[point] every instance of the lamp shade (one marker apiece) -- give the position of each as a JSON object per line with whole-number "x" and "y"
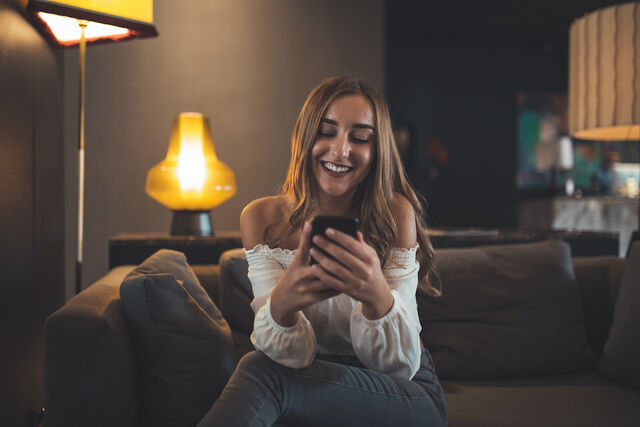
{"x": 191, "y": 177}
{"x": 604, "y": 74}
{"x": 107, "y": 20}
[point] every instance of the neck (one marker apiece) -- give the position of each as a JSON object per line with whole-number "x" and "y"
{"x": 334, "y": 206}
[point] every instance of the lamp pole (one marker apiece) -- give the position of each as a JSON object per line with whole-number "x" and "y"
{"x": 83, "y": 47}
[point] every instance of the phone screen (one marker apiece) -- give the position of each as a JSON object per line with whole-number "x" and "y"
{"x": 320, "y": 223}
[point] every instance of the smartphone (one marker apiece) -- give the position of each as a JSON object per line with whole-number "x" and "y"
{"x": 320, "y": 223}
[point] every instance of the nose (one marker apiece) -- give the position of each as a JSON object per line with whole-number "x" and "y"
{"x": 341, "y": 147}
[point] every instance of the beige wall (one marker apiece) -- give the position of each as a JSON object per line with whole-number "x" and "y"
{"x": 246, "y": 64}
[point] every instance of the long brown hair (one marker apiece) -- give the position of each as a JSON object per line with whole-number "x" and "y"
{"x": 374, "y": 196}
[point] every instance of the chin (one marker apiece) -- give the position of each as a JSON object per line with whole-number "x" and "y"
{"x": 331, "y": 186}
{"x": 336, "y": 192}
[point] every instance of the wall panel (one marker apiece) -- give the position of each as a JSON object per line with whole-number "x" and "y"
{"x": 32, "y": 209}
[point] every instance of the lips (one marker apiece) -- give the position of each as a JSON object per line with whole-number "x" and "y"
{"x": 335, "y": 168}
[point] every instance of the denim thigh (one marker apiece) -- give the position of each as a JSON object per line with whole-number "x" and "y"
{"x": 333, "y": 390}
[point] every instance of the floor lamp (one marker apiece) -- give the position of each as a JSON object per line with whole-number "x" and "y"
{"x": 70, "y": 23}
{"x": 604, "y": 76}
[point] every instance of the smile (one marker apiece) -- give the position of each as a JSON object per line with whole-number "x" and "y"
{"x": 336, "y": 168}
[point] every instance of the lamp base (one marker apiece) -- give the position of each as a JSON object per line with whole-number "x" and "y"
{"x": 191, "y": 223}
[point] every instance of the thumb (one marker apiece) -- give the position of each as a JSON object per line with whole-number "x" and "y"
{"x": 302, "y": 254}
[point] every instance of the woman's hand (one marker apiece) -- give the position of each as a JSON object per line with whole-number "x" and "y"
{"x": 357, "y": 273}
{"x": 298, "y": 287}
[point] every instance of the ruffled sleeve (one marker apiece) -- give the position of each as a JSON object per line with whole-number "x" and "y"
{"x": 392, "y": 344}
{"x": 293, "y": 346}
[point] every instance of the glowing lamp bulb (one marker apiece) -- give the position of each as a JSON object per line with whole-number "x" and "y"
{"x": 191, "y": 168}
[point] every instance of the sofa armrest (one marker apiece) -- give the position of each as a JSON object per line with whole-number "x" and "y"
{"x": 91, "y": 372}
{"x": 598, "y": 279}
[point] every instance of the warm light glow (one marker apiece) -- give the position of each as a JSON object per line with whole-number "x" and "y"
{"x": 610, "y": 133}
{"x": 66, "y": 30}
{"x": 191, "y": 177}
{"x": 191, "y": 169}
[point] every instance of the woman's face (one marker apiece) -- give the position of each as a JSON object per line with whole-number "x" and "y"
{"x": 344, "y": 149}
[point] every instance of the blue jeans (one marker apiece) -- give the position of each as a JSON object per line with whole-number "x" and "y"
{"x": 333, "y": 391}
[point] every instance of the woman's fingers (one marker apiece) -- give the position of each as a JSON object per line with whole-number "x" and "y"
{"x": 331, "y": 265}
{"x": 314, "y": 291}
{"x": 356, "y": 265}
{"x": 330, "y": 280}
{"x": 356, "y": 247}
{"x": 316, "y": 286}
{"x": 305, "y": 273}
{"x": 315, "y": 297}
{"x": 302, "y": 253}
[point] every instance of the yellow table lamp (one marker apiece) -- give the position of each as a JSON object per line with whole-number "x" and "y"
{"x": 191, "y": 180}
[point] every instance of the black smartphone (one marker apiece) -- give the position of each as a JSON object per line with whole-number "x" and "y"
{"x": 320, "y": 223}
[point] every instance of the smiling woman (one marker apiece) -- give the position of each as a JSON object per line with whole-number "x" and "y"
{"x": 342, "y": 333}
{"x": 344, "y": 149}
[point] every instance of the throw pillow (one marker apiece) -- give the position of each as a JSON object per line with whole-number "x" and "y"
{"x": 183, "y": 343}
{"x": 622, "y": 350}
{"x": 506, "y": 311}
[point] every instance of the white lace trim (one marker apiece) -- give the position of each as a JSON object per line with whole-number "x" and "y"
{"x": 401, "y": 256}
{"x": 263, "y": 252}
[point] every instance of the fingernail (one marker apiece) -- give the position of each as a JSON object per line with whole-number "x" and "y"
{"x": 330, "y": 232}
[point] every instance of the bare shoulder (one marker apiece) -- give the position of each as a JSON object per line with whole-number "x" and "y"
{"x": 258, "y": 216}
{"x": 405, "y": 217}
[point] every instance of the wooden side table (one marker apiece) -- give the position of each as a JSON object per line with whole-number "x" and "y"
{"x": 133, "y": 248}
{"x": 591, "y": 213}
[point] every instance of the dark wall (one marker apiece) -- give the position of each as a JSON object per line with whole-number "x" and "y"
{"x": 453, "y": 71}
{"x": 464, "y": 95}
{"x": 31, "y": 216}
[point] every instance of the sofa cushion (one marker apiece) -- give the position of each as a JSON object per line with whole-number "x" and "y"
{"x": 208, "y": 275}
{"x": 506, "y": 311}
{"x": 599, "y": 280}
{"x": 621, "y": 354}
{"x": 236, "y": 292}
{"x": 584, "y": 400}
{"x": 183, "y": 343}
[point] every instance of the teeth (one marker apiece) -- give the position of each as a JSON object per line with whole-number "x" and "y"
{"x": 335, "y": 168}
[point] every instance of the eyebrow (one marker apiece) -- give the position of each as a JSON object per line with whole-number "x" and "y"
{"x": 356, "y": 125}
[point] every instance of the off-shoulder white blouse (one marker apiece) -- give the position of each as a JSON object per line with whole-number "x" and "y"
{"x": 389, "y": 345}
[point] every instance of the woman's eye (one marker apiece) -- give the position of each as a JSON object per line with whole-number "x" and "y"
{"x": 360, "y": 138}
{"x": 325, "y": 134}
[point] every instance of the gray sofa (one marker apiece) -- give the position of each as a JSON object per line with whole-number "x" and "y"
{"x": 92, "y": 376}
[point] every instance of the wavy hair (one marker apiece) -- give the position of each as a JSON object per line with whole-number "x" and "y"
{"x": 374, "y": 195}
